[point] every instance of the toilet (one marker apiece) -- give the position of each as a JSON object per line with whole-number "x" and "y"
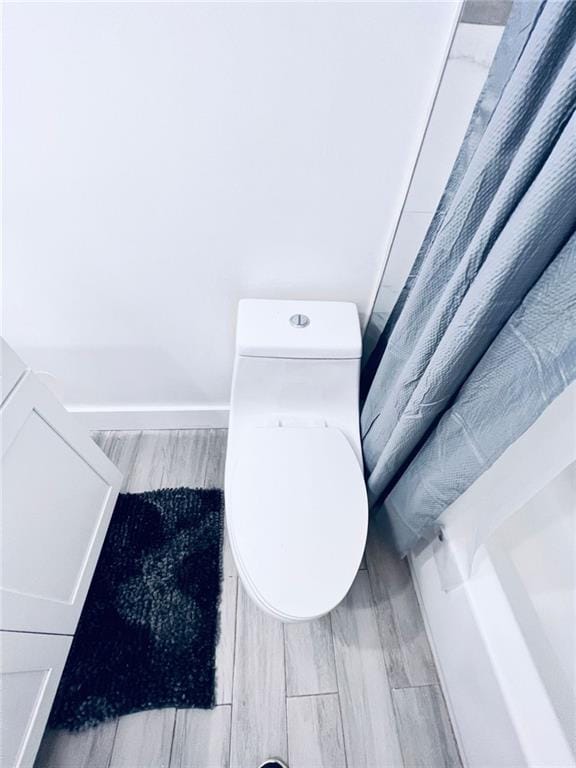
{"x": 296, "y": 505}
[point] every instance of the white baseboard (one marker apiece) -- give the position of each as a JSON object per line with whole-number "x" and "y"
{"x": 152, "y": 417}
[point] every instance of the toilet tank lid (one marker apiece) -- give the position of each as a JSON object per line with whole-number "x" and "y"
{"x": 301, "y": 329}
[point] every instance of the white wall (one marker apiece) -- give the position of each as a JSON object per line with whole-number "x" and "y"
{"x": 163, "y": 160}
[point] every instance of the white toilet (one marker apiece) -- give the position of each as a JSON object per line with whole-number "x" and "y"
{"x": 296, "y": 506}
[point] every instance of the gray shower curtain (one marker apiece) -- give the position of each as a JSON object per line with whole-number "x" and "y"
{"x": 482, "y": 337}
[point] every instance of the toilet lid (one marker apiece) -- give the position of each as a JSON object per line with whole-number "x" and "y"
{"x": 297, "y": 516}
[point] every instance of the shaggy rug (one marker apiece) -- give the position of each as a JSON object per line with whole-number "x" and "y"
{"x": 147, "y": 635}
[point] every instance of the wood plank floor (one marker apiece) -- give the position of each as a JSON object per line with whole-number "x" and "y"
{"x": 355, "y": 688}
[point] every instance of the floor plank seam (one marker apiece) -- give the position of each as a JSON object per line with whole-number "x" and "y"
{"x": 172, "y": 738}
{"x": 113, "y": 744}
{"x": 206, "y": 473}
{"x": 238, "y": 588}
{"x": 229, "y": 734}
{"x": 346, "y": 749}
{"x": 450, "y": 723}
{"x": 392, "y": 618}
{"x": 383, "y": 650}
{"x": 396, "y": 717}
{"x": 285, "y": 690}
{"x": 288, "y": 756}
{"x": 311, "y": 695}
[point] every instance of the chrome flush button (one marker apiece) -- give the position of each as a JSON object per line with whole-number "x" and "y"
{"x": 299, "y": 321}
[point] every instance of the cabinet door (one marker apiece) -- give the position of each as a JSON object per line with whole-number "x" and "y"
{"x": 30, "y": 669}
{"x": 59, "y": 490}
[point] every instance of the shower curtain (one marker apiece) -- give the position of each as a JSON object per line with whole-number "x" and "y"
{"x": 482, "y": 337}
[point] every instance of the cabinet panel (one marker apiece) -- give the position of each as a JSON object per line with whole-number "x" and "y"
{"x": 58, "y": 492}
{"x": 30, "y": 669}
{"x": 11, "y": 369}
{"x": 55, "y": 502}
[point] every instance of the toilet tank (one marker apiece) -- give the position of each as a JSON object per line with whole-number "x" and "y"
{"x": 297, "y": 363}
{"x": 321, "y": 330}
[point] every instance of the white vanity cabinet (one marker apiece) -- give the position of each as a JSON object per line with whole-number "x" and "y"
{"x": 58, "y": 493}
{"x": 30, "y": 671}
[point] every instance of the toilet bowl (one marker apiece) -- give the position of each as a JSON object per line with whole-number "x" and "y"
{"x": 296, "y": 506}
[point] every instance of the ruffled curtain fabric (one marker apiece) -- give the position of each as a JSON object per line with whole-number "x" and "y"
{"x": 482, "y": 337}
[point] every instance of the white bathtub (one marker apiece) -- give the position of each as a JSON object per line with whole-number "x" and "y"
{"x": 498, "y": 596}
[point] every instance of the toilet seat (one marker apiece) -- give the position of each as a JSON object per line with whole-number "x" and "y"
{"x": 297, "y": 517}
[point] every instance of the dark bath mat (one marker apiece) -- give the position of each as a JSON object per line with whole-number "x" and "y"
{"x": 147, "y": 635}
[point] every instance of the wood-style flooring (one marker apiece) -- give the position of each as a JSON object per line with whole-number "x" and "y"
{"x": 355, "y": 689}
